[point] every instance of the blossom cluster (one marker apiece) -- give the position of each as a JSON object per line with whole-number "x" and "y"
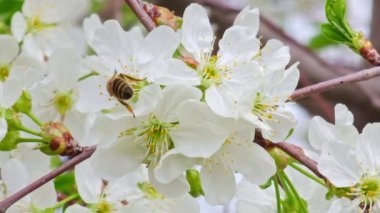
{"x": 173, "y": 115}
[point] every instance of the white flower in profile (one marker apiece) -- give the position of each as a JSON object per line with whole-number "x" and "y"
{"x": 22, "y": 166}
{"x": 355, "y": 168}
{"x": 220, "y": 159}
{"x": 264, "y": 105}
{"x": 227, "y": 74}
{"x": 38, "y": 26}
{"x": 252, "y": 198}
{"x": 320, "y": 131}
{"x": 56, "y": 96}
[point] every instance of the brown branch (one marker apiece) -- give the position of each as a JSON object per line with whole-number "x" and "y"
{"x": 375, "y": 24}
{"x": 292, "y": 150}
{"x": 336, "y": 82}
{"x": 298, "y": 154}
{"x": 7, "y": 202}
{"x": 144, "y": 18}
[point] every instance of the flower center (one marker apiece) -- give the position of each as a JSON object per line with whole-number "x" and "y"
{"x": 63, "y": 102}
{"x": 210, "y": 73}
{"x": 156, "y": 136}
{"x": 103, "y": 207}
{"x": 262, "y": 108}
{"x": 35, "y": 25}
{"x": 4, "y": 72}
{"x": 368, "y": 190}
{"x": 149, "y": 191}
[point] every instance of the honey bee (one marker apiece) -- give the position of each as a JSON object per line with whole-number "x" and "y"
{"x": 119, "y": 86}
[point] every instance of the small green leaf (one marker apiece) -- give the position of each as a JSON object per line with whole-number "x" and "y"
{"x": 9, "y": 142}
{"x": 65, "y": 183}
{"x": 331, "y": 33}
{"x": 194, "y": 180}
{"x": 320, "y": 41}
{"x": 24, "y": 103}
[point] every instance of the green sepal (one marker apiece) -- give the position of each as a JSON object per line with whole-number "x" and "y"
{"x": 267, "y": 184}
{"x": 13, "y": 119}
{"x": 24, "y": 103}
{"x": 193, "y": 178}
{"x": 65, "y": 183}
{"x": 9, "y": 142}
{"x": 290, "y": 133}
{"x": 291, "y": 204}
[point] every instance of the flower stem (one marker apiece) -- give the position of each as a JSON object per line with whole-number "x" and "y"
{"x": 31, "y": 140}
{"x": 307, "y": 174}
{"x": 278, "y": 198}
{"x": 34, "y": 118}
{"x": 66, "y": 200}
{"x": 30, "y": 131}
{"x": 288, "y": 182}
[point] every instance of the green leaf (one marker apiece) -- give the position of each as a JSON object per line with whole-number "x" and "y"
{"x": 194, "y": 180}
{"x": 331, "y": 33}
{"x": 9, "y": 142}
{"x": 340, "y": 9}
{"x": 320, "y": 41}
{"x": 65, "y": 183}
{"x": 24, "y": 103}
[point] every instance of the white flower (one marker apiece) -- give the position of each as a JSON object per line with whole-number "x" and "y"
{"x": 147, "y": 138}
{"x": 58, "y": 93}
{"x": 227, "y": 74}
{"x": 355, "y": 167}
{"x": 129, "y": 193}
{"x": 234, "y": 151}
{"x": 38, "y": 26}
{"x": 23, "y": 166}
{"x": 263, "y": 106}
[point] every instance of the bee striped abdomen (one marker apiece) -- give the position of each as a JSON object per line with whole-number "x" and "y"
{"x": 121, "y": 89}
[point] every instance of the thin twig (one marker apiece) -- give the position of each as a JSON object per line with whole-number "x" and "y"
{"x": 7, "y": 202}
{"x": 336, "y": 82}
{"x": 144, "y": 18}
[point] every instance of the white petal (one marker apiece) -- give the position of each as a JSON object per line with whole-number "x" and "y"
{"x": 176, "y": 188}
{"x": 124, "y": 156}
{"x": 320, "y": 132}
{"x": 45, "y": 196}
{"x": 281, "y": 123}
{"x": 201, "y": 140}
{"x": 52, "y": 11}
{"x": 160, "y": 43}
{"x": 94, "y": 96}
{"x": 248, "y": 18}
{"x": 338, "y": 164}
{"x": 186, "y": 204}
{"x": 18, "y": 26}
{"x": 3, "y": 128}
{"x": 251, "y": 160}
{"x": 14, "y": 175}
{"x": 172, "y": 97}
{"x": 90, "y": 25}
{"x": 218, "y": 183}
{"x": 149, "y": 98}
{"x": 12, "y": 89}
{"x": 76, "y": 208}
{"x": 88, "y": 184}
{"x": 288, "y": 83}
{"x": 171, "y": 166}
{"x": 342, "y": 115}
{"x": 8, "y": 49}
{"x": 196, "y": 33}
{"x": 221, "y": 102}
{"x": 237, "y": 46}
{"x": 345, "y": 205}
{"x": 172, "y": 71}
{"x": 368, "y": 148}
{"x": 275, "y": 55}
{"x": 64, "y": 67}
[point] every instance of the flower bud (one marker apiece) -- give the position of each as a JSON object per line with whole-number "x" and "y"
{"x": 281, "y": 158}
{"x": 163, "y": 16}
{"x": 60, "y": 140}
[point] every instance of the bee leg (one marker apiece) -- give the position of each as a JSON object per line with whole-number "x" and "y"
{"x": 131, "y": 78}
{"x": 129, "y": 108}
